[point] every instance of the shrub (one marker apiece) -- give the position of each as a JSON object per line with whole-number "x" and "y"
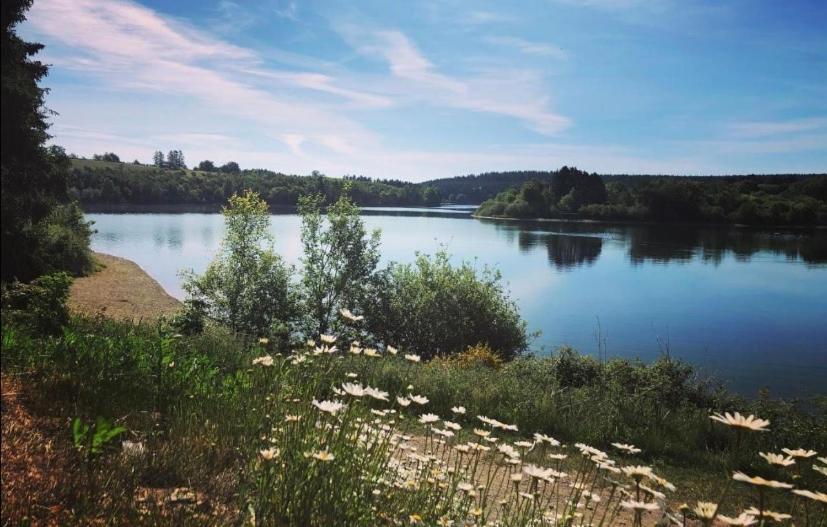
{"x": 247, "y": 285}
{"x": 40, "y": 305}
{"x": 339, "y": 260}
{"x": 478, "y": 355}
{"x": 65, "y": 238}
{"x": 432, "y": 308}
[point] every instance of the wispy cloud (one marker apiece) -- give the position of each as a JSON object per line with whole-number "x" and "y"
{"x": 774, "y": 128}
{"x": 529, "y": 48}
{"x": 519, "y": 95}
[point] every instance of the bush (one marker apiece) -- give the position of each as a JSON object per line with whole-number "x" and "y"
{"x": 477, "y": 356}
{"x": 247, "y": 286}
{"x": 39, "y": 306}
{"x": 64, "y": 246}
{"x": 433, "y": 309}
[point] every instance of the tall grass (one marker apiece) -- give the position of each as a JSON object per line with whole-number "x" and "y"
{"x": 353, "y": 436}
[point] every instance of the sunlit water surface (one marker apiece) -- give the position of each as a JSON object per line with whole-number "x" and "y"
{"x": 747, "y": 306}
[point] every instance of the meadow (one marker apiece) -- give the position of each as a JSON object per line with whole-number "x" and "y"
{"x": 161, "y": 428}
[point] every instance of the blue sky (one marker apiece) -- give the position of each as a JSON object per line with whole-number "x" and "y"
{"x": 417, "y": 90}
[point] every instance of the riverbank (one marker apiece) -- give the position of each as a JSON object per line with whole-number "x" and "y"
{"x": 120, "y": 289}
{"x": 651, "y": 223}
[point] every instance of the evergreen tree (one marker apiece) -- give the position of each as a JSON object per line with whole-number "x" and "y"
{"x": 158, "y": 158}
{"x": 33, "y": 176}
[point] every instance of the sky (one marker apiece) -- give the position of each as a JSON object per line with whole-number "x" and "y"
{"x": 439, "y": 88}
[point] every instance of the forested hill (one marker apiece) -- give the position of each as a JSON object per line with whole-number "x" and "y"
{"x": 97, "y": 183}
{"x": 473, "y": 189}
{"x": 785, "y": 199}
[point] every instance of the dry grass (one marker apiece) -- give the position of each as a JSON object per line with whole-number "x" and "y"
{"x": 121, "y": 290}
{"x": 34, "y": 463}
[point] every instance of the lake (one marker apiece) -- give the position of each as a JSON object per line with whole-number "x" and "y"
{"x": 747, "y": 306}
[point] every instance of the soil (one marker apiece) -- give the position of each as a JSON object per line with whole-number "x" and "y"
{"x": 120, "y": 289}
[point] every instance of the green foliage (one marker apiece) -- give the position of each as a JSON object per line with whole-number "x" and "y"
{"x": 208, "y": 418}
{"x": 753, "y": 200}
{"x": 433, "y": 308}
{"x": 97, "y": 183}
{"x": 93, "y": 438}
{"x": 247, "y": 285}
{"x": 40, "y": 305}
{"x": 338, "y": 263}
{"x": 33, "y": 176}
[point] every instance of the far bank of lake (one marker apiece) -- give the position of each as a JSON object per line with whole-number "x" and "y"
{"x": 748, "y": 306}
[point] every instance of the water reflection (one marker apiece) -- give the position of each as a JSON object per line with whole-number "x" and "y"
{"x": 574, "y": 244}
{"x": 565, "y": 251}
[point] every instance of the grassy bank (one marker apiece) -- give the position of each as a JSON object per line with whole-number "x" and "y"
{"x": 205, "y": 413}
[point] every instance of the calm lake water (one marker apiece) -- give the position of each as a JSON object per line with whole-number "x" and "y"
{"x": 748, "y": 306}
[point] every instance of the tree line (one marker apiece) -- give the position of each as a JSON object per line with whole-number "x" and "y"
{"x": 114, "y": 184}
{"x": 788, "y": 199}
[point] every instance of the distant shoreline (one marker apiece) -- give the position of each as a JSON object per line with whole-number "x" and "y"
{"x": 651, "y": 223}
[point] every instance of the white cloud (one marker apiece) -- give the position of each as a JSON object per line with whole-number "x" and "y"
{"x": 529, "y": 48}
{"x": 772, "y": 128}
{"x": 519, "y": 94}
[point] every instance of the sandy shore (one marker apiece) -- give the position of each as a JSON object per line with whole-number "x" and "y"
{"x": 121, "y": 289}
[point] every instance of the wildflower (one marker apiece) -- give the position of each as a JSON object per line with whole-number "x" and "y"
{"x": 822, "y": 459}
{"x": 590, "y": 451}
{"x": 264, "y": 360}
{"x": 331, "y": 407}
{"x": 269, "y": 453}
{"x": 557, "y": 457}
{"x": 443, "y": 433}
{"x": 462, "y": 449}
{"x": 354, "y": 349}
{"x": 391, "y": 350}
{"x": 371, "y": 352}
{"x": 737, "y": 420}
{"x": 376, "y": 393}
{"x": 351, "y": 375}
{"x": 706, "y": 510}
{"x": 528, "y": 496}
{"x": 777, "y": 459}
{"x": 817, "y": 496}
{"x": 263, "y": 341}
{"x": 403, "y": 401}
{"x": 467, "y": 488}
{"x": 630, "y": 449}
{"x": 482, "y": 433}
{"x": 444, "y": 521}
{"x": 742, "y": 519}
{"x": 775, "y": 516}
{"x": 799, "y": 452}
{"x": 637, "y": 472}
{"x": 459, "y": 410}
{"x": 652, "y": 492}
{"x": 350, "y": 316}
{"x": 413, "y": 358}
{"x": 311, "y": 343}
{"x": 524, "y": 444}
{"x": 298, "y": 359}
{"x": 516, "y": 477}
{"x": 428, "y": 418}
{"x": 820, "y": 470}
{"x": 452, "y": 426}
{"x": 327, "y": 339}
{"x": 418, "y": 399}
{"x": 508, "y": 451}
{"x": 639, "y": 506}
{"x": 662, "y": 482}
{"x": 536, "y": 472}
{"x": 758, "y": 480}
{"x": 415, "y": 519}
{"x": 353, "y": 389}
{"x": 322, "y": 455}
{"x": 542, "y": 438}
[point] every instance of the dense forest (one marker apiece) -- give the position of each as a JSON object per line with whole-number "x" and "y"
{"x": 789, "y": 199}
{"x": 97, "y": 182}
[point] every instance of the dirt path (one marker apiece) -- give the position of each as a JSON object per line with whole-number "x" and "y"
{"x": 122, "y": 290}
